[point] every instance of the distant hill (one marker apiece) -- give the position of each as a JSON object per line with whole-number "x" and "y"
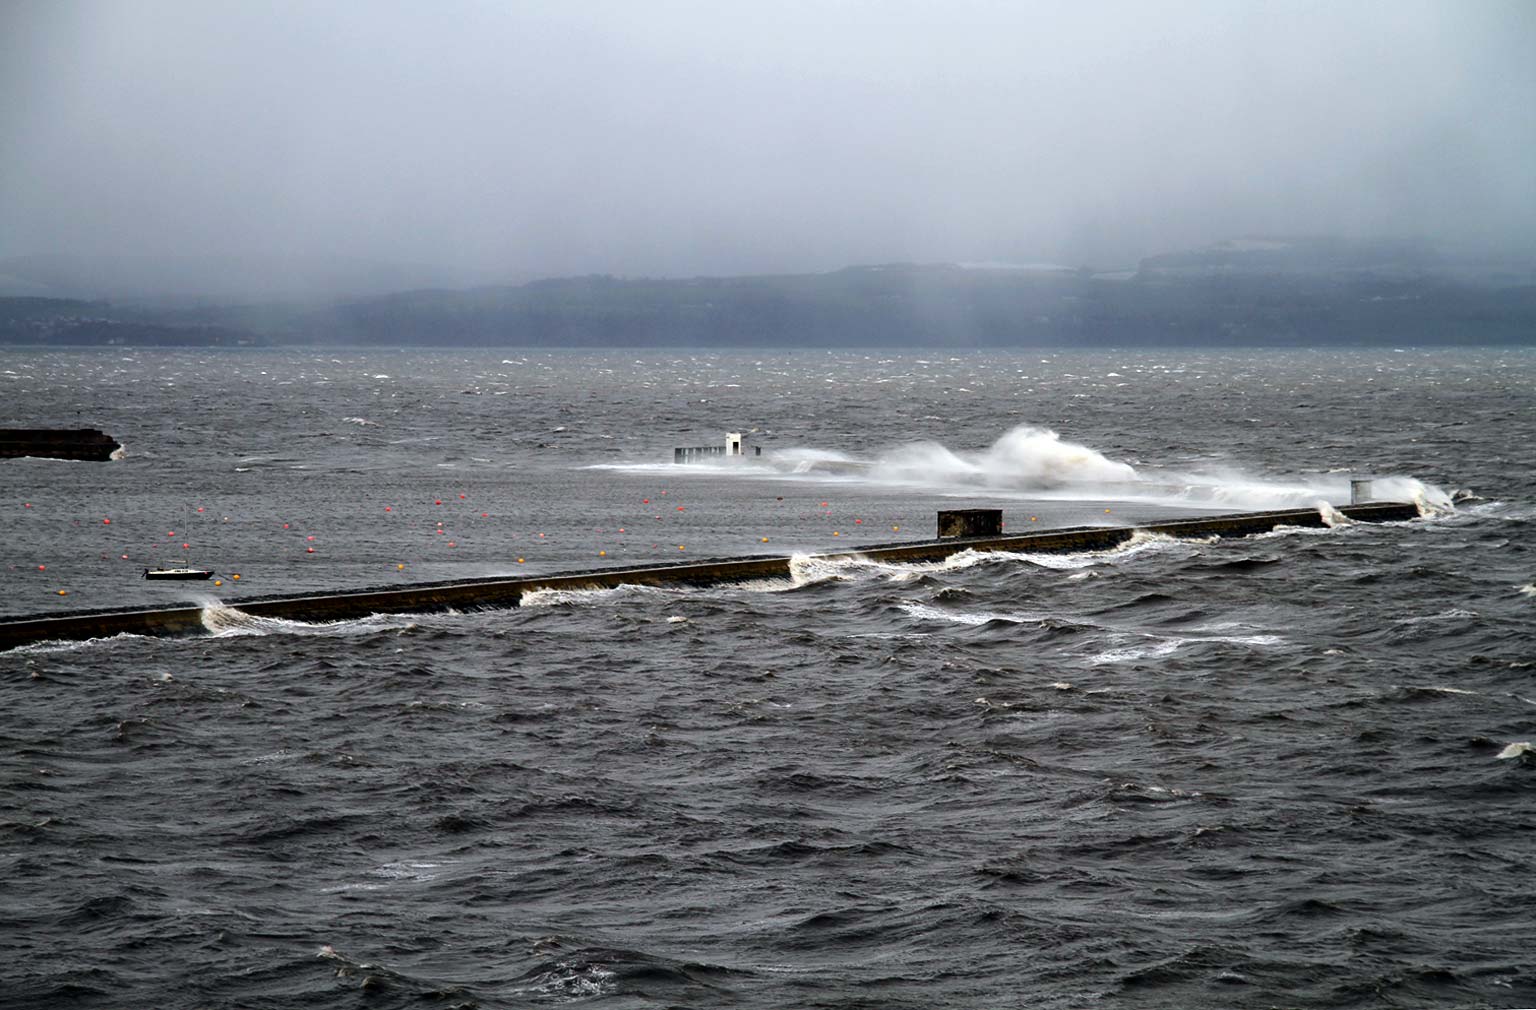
{"x": 60, "y": 322}
{"x": 1245, "y": 293}
{"x": 951, "y": 306}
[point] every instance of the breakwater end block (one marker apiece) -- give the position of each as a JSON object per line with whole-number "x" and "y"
{"x": 88, "y": 444}
{"x": 970, "y": 523}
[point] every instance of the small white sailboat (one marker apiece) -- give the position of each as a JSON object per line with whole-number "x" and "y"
{"x": 176, "y": 573}
{"x": 186, "y": 571}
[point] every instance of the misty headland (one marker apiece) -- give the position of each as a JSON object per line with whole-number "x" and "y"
{"x": 1256, "y": 292}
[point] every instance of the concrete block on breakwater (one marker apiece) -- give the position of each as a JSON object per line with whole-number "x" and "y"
{"x": 498, "y": 592}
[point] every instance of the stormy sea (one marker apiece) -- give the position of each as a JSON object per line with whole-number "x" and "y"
{"x": 1292, "y": 769}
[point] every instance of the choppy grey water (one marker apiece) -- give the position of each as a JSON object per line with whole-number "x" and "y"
{"x": 1276, "y": 770}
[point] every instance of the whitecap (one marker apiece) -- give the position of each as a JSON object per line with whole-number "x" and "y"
{"x": 224, "y": 621}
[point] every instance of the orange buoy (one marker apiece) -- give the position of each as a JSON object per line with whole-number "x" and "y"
{"x": 519, "y": 560}
{"x": 895, "y": 528}
{"x": 764, "y": 539}
{"x": 602, "y": 554}
{"x": 399, "y": 568}
{"x": 63, "y": 592}
{"x": 236, "y": 576}
{"x": 680, "y": 546}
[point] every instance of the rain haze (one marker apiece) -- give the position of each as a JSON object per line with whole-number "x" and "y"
{"x": 503, "y": 142}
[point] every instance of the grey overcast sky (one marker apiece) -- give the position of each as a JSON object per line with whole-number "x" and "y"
{"x": 677, "y": 137}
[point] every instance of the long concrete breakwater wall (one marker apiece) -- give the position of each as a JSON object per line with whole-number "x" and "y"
{"x": 494, "y": 593}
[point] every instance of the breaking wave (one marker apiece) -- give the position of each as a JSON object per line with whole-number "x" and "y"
{"x": 1037, "y": 461}
{"x": 230, "y": 622}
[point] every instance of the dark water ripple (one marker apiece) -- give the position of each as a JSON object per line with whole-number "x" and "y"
{"x": 1257, "y": 772}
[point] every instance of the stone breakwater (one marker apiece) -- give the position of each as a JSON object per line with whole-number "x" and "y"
{"x": 503, "y": 593}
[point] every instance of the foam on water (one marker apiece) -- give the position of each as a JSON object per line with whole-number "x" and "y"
{"x": 595, "y": 596}
{"x": 224, "y": 621}
{"x": 925, "y": 612}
